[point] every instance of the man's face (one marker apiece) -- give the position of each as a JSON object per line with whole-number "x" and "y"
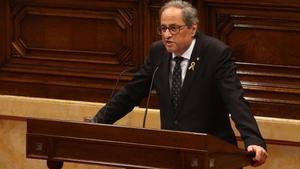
{"x": 180, "y": 41}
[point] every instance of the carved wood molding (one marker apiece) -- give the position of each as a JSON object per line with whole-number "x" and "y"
{"x": 41, "y": 48}
{"x": 55, "y": 45}
{"x": 263, "y": 37}
{"x": 71, "y": 50}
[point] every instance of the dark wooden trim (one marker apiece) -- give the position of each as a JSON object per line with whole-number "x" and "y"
{"x": 294, "y": 4}
{"x": 4, "y": 31}
{"x": 278, "y": 142}
{"x": 135, "y": 147}
{"x": 283, "y": 143}
{"x": 16, "y": 118}
{"x": 268, "y": 141}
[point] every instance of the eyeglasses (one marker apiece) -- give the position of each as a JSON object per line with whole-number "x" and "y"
{"x": 173, "y": 29}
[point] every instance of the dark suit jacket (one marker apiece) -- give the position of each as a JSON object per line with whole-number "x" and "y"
{"x": 210, "y": 92}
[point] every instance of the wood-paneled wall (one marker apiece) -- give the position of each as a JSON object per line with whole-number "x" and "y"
{"x": 265, "y": 36}
{"x": 75, "y": 49}
{"x": 70, "y": 49}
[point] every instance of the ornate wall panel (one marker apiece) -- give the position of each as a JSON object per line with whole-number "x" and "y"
{"x": 75, "y": 49}
{"x": 70, "y": 49}
{"x": 265, "y": 39}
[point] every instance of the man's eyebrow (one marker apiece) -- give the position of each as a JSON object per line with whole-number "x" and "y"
{"x": 169, "y": 25}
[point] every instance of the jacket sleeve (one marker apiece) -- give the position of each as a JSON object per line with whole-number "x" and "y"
{"x": 232, "y": 95}
{"x": 130, "y": 96}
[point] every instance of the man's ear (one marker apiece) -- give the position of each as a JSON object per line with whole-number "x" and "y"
{"x": 194, "y": 29}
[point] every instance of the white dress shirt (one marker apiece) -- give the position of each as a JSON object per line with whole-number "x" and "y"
{"x": 184, "y": 64}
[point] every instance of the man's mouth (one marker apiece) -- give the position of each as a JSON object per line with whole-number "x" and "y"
{"x": 169, "y": 42}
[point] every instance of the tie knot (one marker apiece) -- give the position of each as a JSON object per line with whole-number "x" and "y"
{"x": 178, "y": 59}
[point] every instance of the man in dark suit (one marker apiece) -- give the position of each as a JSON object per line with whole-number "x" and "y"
{"x": 196, "y": 83}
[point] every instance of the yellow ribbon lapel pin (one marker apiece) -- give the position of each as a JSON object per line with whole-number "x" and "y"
{"x": 192, "y": 66}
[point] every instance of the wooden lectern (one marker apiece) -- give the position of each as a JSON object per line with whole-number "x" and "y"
{"x": 59, "y": 141}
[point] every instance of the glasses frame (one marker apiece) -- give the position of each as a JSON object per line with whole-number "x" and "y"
{"x": 173, "y": 29}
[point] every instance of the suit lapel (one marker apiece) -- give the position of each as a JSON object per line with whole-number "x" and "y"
{"x": 191, "y": 72}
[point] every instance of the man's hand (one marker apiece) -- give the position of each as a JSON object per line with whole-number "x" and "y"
{"x": 260, "y": 155}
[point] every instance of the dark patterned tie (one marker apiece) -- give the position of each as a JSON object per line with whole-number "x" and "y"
{"x": 176, "y": 82}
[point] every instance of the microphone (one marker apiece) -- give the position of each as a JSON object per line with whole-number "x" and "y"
{"x": 130, "y": 69}
{"x": 149, "y": 94}
{"x": 119, "y": 78}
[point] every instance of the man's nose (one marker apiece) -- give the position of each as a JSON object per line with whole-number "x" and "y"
{"x": 167, "y": 34}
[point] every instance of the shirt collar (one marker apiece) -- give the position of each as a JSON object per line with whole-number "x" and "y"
{"x": 188, "y": 53}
